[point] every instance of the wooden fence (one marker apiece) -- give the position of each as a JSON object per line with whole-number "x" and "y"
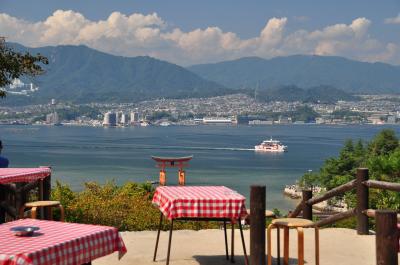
{"x": 387, "y": 234}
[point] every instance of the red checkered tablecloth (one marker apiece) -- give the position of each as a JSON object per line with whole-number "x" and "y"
{"x": 11, "y": 175}
{"x": 58, "y": 243}
{"x": 199, "y": 202}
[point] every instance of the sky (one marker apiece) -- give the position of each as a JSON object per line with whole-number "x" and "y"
{"x": 189, "y": 32}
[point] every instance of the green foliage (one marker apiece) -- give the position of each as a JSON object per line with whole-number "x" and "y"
{"x": 74, "y": 112}
{"x": 381, "y": 156}
{"x": 127, "y": 207}
{"x": 305, "y": 114}
{"x": 158, "y": 115}
{"x": 80, "y": 74}
{"x": 14, "y": 64}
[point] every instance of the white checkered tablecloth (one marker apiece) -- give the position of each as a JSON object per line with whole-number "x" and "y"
{"x": 11, "y": 175}
{"x": 199, "y": 202}
{"x": 58, "y": 243}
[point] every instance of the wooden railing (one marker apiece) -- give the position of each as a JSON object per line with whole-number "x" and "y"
{"x": 386, "y": 246}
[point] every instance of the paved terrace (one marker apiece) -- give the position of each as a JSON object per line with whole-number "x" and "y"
{"x": 206, "y": 247}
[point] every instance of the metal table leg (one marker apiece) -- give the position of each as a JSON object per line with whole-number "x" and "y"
{"x": 233, "y": 242}
{"x": 246, "y": 261}
{"x": 170, "y": 239}
{"x": 226, "y": 241}
{"x": 158, "y": 237}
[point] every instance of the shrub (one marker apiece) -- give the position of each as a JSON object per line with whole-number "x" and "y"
{"x": 127, "y": 207}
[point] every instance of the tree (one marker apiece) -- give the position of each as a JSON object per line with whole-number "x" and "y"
{"x": 15, "y": 64}
{"x": 384, "y": 143}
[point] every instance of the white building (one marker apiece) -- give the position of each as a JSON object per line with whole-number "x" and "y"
{"x": 135, "y": 117}
{"x": 124, "y": 119}
{"x": 219, "y": 120}
{"x": 110, "y": 119}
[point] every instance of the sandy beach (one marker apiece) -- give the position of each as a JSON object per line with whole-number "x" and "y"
{"x": 206, "y": 247}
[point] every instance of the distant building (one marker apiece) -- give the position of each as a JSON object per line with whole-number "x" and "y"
{"x": 52, "y": 118}
{"x": 53, "y": 101}
{"x": 118, "y": 116}
{"x": 219, "y": 120}
{"x": 124, "y": 119}
{"x": 284, "y": 120}
{"x": 319, "y": 120}
{"x": 135, "y": 117}
{"x": 376, "y": 118}
{"x": 391, "y": 119}
{"x": 260, "y": 122}
{"x": 110, "y": 119}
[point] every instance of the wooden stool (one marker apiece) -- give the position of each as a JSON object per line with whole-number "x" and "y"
{"x": 36, "y": 204}
{"x": 299, "y": 224}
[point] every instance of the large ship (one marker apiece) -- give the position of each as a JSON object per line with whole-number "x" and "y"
{"x": 271, "y": 146}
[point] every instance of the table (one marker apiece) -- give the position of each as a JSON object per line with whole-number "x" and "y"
{"x": 200, "y": 203}
{"x": 19, "y": 181}
{"x": 58, "y": 243}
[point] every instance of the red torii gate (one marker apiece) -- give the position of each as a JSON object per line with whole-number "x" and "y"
{"x": 164, "y": 162}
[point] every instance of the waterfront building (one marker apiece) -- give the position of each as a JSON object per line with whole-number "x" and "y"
{"x": 135, "y": 117}
{"x": 219, "y": 120}
{"x": 52, "y": 118}
{"x": 110, "y": 119}
{"x": 124, "y": 119}
{"x": 391, "y": 119}
{"x": 260, "y": 122}
{"x": 118, "y": 116}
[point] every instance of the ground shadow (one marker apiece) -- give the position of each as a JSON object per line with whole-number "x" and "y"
{"x": 239, "y": 260}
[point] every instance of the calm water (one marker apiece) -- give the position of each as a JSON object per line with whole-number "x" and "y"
{"x": 80, "y": 154}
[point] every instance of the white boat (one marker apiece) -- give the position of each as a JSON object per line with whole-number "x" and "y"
{"x": 271, "y": 146}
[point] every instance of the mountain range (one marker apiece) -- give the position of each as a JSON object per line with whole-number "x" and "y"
{"x": 304, "y": 71}
{"x": 80, "y": 74}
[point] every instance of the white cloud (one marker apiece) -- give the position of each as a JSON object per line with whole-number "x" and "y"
{"x": 139, "y": 34}
{"x": 393, "y": 20}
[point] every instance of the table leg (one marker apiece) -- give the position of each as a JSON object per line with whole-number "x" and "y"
{"x": 316, "y": 245}
{"x": 246, "y": 261}
{"x": 285, "y": 246}
{"x": 46, "y": 195}
{"x": 226, "y": 242}
{"x": 300, "y": 245}
{"x": 278, "y": 247}
{"x": 233, "y": 242}
{"x": 269, "y": 244}
{"x": 169, "y": 241}
{"x": 40, "y": 197}
{"x": 158, "y": 236}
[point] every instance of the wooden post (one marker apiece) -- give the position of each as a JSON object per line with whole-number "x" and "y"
{"x": 362, "y": 201}
{"x": 387, "y": 237}
{"x": 257, "y": 225}
{"x": 307, "y": 208}
{"x": 181, "y": 177}
{"x": 46, "y": 195}
{"x": 163, "y": 177}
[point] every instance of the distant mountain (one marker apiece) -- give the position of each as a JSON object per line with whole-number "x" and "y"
{"x": 303, "y": 71}
{"x": 322, "y": 94}
{"x": 81, "y": 74}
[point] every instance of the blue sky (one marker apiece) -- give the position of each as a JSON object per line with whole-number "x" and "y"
{"x": 311, "y": 27}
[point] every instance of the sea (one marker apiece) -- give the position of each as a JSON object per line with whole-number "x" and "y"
{"x": 222, "y": 154}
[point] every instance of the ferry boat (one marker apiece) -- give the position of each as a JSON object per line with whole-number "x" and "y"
{"x": 271, "y": 146}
